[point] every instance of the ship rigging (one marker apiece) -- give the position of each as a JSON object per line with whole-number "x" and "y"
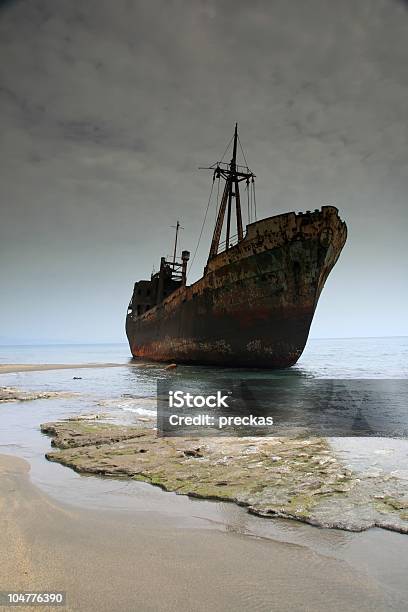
{"x": 233, "y": 174}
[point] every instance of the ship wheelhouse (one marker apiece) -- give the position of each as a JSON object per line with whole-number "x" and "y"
{"x": 149, "y": 293}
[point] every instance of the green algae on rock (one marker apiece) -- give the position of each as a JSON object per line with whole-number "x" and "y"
{"x": 297, "y": 478}
{"x": 77, "y": 432}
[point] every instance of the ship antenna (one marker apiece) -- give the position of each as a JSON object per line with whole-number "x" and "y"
{"x": 177, "y": 228}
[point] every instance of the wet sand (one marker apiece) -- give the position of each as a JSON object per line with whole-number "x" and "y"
{"x": 110, "y": 561}
{"x": 9, "y": 368}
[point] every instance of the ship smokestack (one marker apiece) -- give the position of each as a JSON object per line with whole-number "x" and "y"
{"x": 185, "y": 256}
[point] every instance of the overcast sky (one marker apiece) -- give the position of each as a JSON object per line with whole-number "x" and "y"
{"x": 107, "y": 108}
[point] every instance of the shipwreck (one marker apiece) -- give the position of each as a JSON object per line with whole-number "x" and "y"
{"x": 255, "y": 302}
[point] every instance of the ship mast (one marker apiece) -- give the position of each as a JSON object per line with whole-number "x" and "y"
{"x": 233, "y": 175}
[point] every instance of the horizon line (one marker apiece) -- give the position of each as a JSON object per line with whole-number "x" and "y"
{"x": 124, "y": 342}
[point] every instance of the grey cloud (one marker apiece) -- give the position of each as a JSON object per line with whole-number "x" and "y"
{"x": 108, "y": 108}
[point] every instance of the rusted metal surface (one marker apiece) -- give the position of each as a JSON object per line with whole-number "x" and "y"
{"x": 255, "y": 303}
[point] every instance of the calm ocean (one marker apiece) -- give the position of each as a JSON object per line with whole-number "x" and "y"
{"x": 355, "y": 358}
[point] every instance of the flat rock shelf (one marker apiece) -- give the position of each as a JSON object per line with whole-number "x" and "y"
{"x": 12, "y": 394}
{"x": 294, "y": 478}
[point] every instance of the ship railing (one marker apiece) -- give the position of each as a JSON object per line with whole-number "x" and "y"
{"x": 176, "y": 269}
{"x": 227, "y": 166}
{"x": 173, "y": 264}
{"x": 232, "y": 242}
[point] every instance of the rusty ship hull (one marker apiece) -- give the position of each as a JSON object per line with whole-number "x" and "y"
{"x": 255, "y": 303}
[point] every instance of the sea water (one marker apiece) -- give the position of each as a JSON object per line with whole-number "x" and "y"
{"x": 330, "y": 358}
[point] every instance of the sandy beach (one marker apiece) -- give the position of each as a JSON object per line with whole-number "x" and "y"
{"x": 104, "y": 562}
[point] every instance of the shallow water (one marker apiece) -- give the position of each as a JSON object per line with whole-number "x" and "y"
{"x": 125, "y": 391}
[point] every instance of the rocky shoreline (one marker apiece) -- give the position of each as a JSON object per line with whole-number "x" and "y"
{"x": 297, "y": 478}
{"x": 12, "y": 394}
